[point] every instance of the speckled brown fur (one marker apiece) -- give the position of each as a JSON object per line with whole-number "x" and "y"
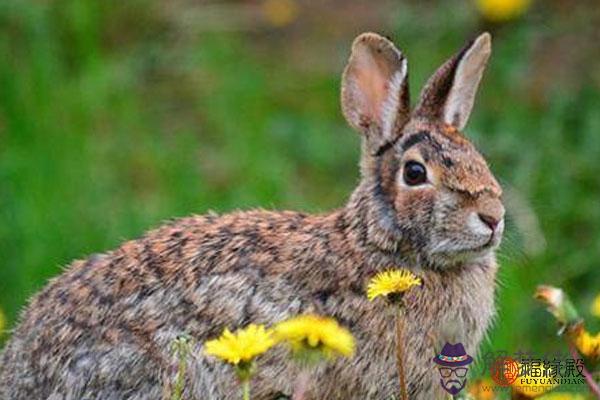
{"x": 102, "y": 329}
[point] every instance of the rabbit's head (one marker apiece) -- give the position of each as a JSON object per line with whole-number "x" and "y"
{"x": 430, "y": 194}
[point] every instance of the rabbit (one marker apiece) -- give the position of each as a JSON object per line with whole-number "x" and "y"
{"x": 426, "y": 201}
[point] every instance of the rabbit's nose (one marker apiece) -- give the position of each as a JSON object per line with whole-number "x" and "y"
{"x": 489, "y": 221}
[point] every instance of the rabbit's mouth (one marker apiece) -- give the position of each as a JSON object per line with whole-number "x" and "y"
{"x": 452, "y": 253}
{"x": 491, "y": 244}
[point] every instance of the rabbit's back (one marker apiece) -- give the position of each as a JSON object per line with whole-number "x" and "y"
{"x": 104, "y": 326}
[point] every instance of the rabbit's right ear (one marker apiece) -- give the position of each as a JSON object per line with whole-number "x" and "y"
{"x": 375, "y": 97}
{"x": 449, "y": 94}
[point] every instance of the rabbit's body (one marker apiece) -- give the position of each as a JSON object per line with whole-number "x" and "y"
{"x": 426, "y": 201}
{"x": 102, "y": 330}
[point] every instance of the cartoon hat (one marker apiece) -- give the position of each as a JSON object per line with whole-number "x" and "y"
{"x": 453, "y": 355}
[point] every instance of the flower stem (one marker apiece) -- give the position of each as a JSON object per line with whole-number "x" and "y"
{"x": 246, "y": 389}
{"x": 181, "y": 347}
{"x": 400, "y": 353}
{"x": 589, "y": 379}
{"x": 180, "y": 380}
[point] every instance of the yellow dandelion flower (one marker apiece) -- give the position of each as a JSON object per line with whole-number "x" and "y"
{"x": 242, "y": 346}
{"x": 595, "y": 309}
{"x": 587, "y": 344}
{"x": 314, "y": 332}
{"x": 502, "y": 10}
{"x": 280, "y": 12}
{"x": 392, "y": 281}
{"x": 532, "y": 388}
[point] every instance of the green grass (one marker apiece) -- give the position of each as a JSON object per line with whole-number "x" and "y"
{"x": 112, "y": 120}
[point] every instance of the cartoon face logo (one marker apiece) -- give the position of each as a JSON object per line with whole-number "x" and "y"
{"x": 452, "y": 365}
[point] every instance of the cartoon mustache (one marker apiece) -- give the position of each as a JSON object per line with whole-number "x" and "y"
{"x": 453, "y": 386}
{"x": 453, "y": 382}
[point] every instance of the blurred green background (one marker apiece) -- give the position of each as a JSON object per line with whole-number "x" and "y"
{"x": 117, "y": 115}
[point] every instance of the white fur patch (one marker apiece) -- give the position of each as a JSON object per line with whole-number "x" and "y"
{"x": 477, "y": 226}
{"x": 466, "y": 81}
{"x": 389, "y": 107}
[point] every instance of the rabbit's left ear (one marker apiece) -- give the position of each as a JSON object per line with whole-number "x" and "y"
{"x": 375, "y": 89}
{"x": 449, "y": 94}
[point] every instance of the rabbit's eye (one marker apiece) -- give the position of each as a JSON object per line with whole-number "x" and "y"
{"x": 414, "y": 173}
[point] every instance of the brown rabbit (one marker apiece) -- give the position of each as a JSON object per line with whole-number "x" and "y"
{"x": 426, "y": 201}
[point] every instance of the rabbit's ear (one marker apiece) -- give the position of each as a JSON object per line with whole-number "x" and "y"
{"x": 375, "y": 98}
{"x": 450, "y": 92}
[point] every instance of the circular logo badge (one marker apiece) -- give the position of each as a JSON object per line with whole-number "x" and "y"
{"x": 504, "y": 371}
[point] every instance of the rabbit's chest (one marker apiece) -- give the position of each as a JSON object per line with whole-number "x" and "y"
{"x": 439, "y": 312}
{"x": 443, "y": 309}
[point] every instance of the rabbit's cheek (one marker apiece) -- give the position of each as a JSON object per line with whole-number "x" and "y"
{"x": 414, "y": 211}
{"x": 457, "y": 230}
{"x": 415, "y": 204}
